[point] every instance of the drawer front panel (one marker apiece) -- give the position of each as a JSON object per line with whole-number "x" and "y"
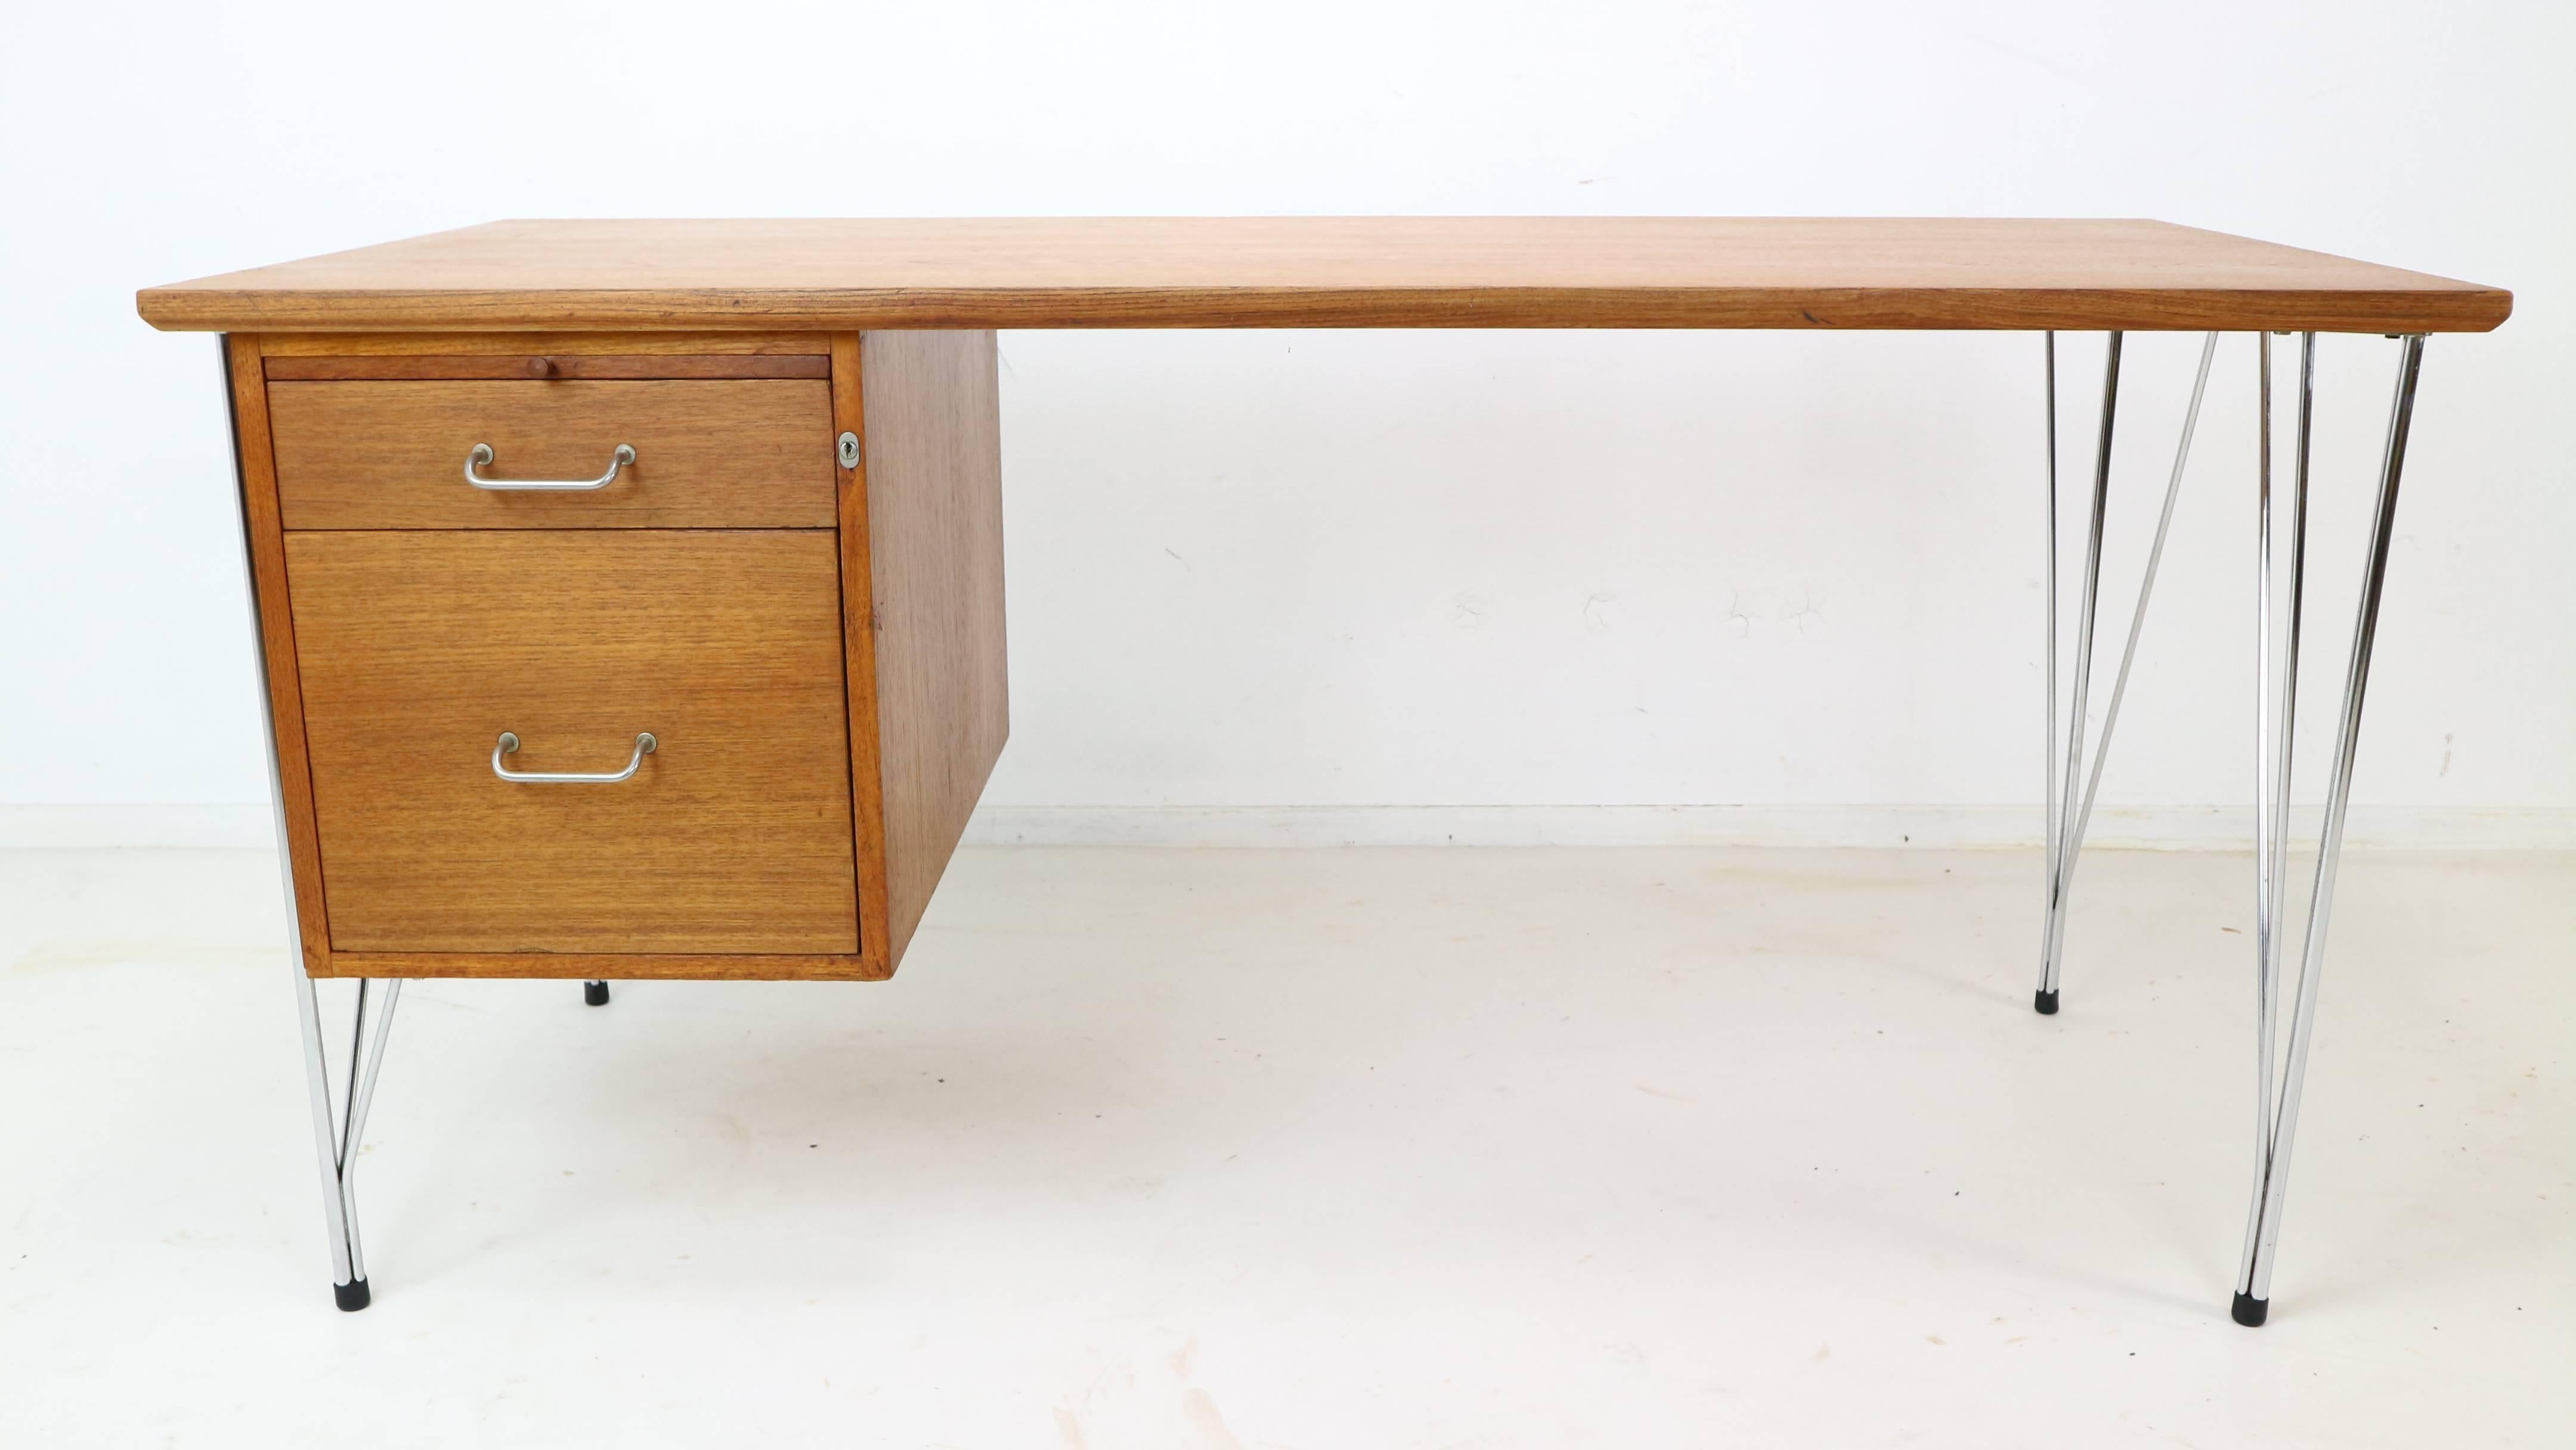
{"x": 418, "y": 650}
{"x": 737, "y": 453}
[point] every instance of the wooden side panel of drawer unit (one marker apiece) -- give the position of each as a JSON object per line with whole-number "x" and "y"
{"x": 709, "y": 453}
{"x": 418, "y": 649}
{"x": 921, "y": 565}
{"x": 264, "y": 543}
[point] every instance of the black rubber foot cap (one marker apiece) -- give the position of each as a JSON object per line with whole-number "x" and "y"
{"x": 2250, "y": 1311}
{"x": 595, "y": 993}
{"x": 352, "y": 1295}
{"x": 2045, "y": 1003}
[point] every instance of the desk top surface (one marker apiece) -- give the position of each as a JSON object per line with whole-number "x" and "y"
{"x": 1705, "y": 272}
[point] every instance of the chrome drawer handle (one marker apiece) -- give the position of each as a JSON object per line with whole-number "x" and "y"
{"x": 482, "y": 455}
{"x": 645, "y": 745}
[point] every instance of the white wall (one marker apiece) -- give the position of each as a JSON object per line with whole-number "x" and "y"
{"x": 1359, "y": 569}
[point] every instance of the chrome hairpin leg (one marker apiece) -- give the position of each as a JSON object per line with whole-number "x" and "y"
{"x": 335, "y": 1143}
{"x": 2070, "y": 812}
{"x": 2276, "y": 1109}
{"x": 336, "y": 1135}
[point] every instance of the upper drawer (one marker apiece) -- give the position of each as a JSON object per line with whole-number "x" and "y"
{"x": 735, "y": 453}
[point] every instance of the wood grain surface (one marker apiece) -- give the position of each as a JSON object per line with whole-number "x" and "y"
{"x": 545, "y": 366}
{"x": 266, "y": 543}
{"x": 1705, "y": 272}
{"x": 585, "y": 966}
{"x": 420, "y": 648}
{"x": 277, "y": 345}
{"x": 934, "y": 533}
{"x": 708, "y": 454}
{"x": 859, "y": 652}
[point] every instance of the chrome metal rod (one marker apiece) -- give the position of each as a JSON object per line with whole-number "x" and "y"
{"x": 2276, "y": 673}
{"x": 360, "y": 1096}
{"x": 317, "y": 1071}
{"x": 375, "y": 1064}
{"x": 508, "y": 744}
{"x": 480, "y": 456}
{"x": 2254, "y": 1282}
{"x": 2138, "y": 616}
{"x": 2048, "y": 748}
{"x": 317, "y": 1083}
{"x": 333, "y": 1152}
{"x": 2085, "y": 611}
{"x": 349, "y": 1094}
{"x": 348, "y": 1145}
{"x": 2267, "y": 771}
{"x": 2284, "y": 695}
{"x": 2070, "y": 812}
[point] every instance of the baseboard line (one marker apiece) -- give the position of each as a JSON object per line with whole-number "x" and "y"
{"x": 89, "y": 827}
{"x": 2169, "y": 828}
{"x": 2160, "y": 828}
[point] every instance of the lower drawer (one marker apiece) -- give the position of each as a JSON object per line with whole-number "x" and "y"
{"x": 419, "y": 650}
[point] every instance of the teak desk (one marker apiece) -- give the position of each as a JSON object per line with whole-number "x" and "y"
{"x": 630, "y": 593}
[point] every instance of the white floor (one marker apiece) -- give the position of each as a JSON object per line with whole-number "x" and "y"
{"x": 1318, "y": 1149}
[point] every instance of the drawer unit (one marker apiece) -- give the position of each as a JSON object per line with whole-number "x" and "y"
{"x": 434, "y": 661}
{"x": 486, "y": 454}
{"x": 790, "y": 581}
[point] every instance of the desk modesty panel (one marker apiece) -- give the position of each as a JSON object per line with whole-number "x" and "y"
{"x": 1706, "y": 272}
{"x": 629, "y": 593}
